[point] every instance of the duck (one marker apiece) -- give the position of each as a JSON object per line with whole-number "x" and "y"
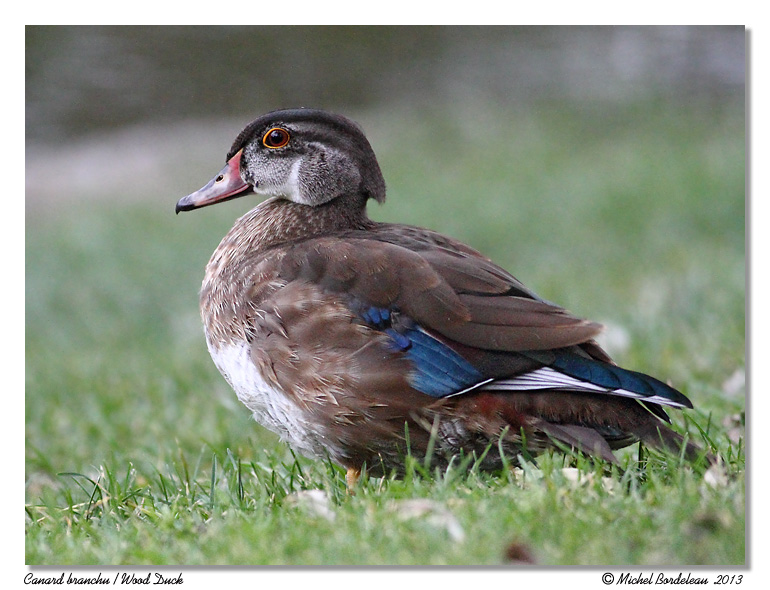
{"x": 366, "y": 342}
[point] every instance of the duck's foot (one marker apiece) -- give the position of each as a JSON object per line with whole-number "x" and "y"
{"x": 351, "y": 478}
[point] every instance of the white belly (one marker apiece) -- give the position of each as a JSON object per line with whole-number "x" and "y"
{"x": 268, "y": 403}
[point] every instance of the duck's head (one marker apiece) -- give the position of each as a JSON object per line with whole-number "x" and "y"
{"x": 306, "y": 156}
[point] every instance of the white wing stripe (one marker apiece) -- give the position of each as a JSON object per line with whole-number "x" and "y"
{"x": 547, "y": 378}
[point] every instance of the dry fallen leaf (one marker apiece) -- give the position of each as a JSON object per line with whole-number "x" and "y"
{"x": 315, "y": 502}
{"x": 434, "y": 513}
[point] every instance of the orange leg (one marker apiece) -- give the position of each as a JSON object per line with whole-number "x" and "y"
{"x": 351, "y": 478}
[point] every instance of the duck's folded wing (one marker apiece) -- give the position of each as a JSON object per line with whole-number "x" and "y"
{"x": 465, "y": 323}
{"x": 470, "y": 301}
{"x": 464, "y": 333}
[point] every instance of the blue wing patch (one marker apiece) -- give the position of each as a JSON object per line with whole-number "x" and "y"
{"x": 438, "y": 370}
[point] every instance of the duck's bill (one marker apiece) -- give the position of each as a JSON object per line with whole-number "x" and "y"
{"x": 226, "y": 185}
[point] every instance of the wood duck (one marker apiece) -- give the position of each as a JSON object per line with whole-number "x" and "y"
{"x": 365, "y": 341}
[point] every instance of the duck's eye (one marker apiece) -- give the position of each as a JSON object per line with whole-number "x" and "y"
{"x": 275, "y": 138}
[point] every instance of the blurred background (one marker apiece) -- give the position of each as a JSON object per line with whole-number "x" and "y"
{"x": 603, "y": 166}
{"x": 151, "y": 92}
{"x": 85, "y": 80}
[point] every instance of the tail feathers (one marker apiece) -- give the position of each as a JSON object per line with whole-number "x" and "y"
{"x": 661, "y": 437}
{"x": 581, "y": 438}
{"x": 589, "y": 441}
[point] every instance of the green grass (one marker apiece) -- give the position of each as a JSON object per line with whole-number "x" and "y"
{"x": 137, "y": 452}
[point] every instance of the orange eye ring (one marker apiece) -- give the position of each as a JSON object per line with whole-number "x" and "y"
{"x": 275, "y": 138}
